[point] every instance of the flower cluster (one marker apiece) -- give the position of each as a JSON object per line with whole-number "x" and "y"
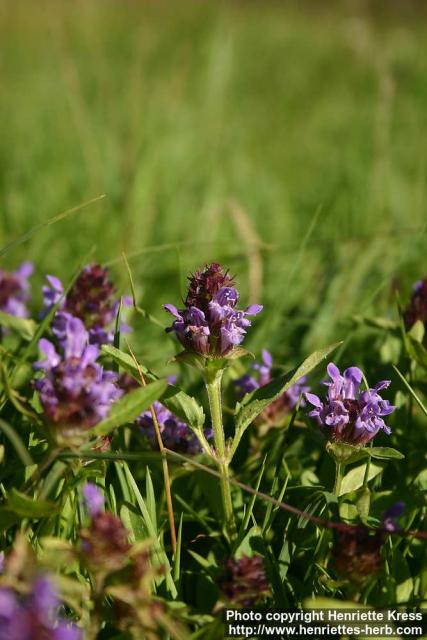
{"x": 245, "y": 582}
{"x": 349, "y": 415}
{"x": 14, "y": 290}
{"x": 417, "y": 307}
{"x": 176, "y": 434}
{"x": 210, "y": 324}
{"x": 75, "y": 392}
{"x": 105, "y": 543}
{"x": 92, "y": 298}
{"x": 285, "y": 403}
{"x": 35, "y": 616}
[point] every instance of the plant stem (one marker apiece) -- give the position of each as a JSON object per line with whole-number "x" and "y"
{"x": 339, "y": 474}
{"x": 213, "y": 387}
{"x": 166, "y": 476}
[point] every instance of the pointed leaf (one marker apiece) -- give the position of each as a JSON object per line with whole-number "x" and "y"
{"x": 130, "y": 406}
{"x": 27, "y": 507}
{"x": 25, "y": 327}
{"x": 385, "y": 453}
{"x": 258, "y": 400}
{"x": 176, "y": 400}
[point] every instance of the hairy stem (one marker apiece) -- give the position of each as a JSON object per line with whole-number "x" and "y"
{"x": 213, "y": 388}
{"x": 166, "y": 476}
{"x": 339, "y": 474}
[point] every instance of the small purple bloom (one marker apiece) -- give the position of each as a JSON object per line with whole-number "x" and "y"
{"x": 93, "y": 497}
{"x": 15, "y": 290}
{"x": 285, "y": 403}
{"x": 176, "y": 434}
{"x": 389, "y": 518}
{"x": 209, "y": 324}
{"x": 348, "y": 414}
{"x": 75, "y": 390}
{"x": 92, "y": 298}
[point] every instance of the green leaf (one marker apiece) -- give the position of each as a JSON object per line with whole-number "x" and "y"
{"x": 130, "y": 406}
{"x": 239, "y": 352}
{"x": 29, "y": 508}
{"x": 346, "y": 453}
{"x": 376, "y": 323}
{"x": 385, "y": 453}
{"x": 17, "y": 443}
{"x": 25, "y": 327}
{"x": 416, "y": 350}
{"x": 411, "y": 390}
{"x": 194, "y": 360}
{"x": 354, "y": 479}
{"x": 254, "y": 403}
{"x": 125, "y": 360}
{"x": 176, "y": 400}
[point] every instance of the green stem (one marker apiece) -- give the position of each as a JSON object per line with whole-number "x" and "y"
{"x": 213, "y": 386}
{"x": 339, "y": 474}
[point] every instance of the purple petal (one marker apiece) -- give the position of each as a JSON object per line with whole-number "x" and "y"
{"x": 170, "y": 308}
{"x": 93, "y": 497}
{"x": 333, "y": 371}
{"x": 267, "y": 358}
{"x": 314, "y": 400}
{"x": 25, "y": 270}
{"x": 253, "y": 309}
{"x": 52, "y": 358}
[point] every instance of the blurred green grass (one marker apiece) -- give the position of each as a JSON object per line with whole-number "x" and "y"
{"x": 289, "y": 143}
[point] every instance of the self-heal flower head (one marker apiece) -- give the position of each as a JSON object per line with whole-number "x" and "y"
{"x": 105, "y": 543}
{"x": 35, "y": 616}
{"x": 15, "y": 290}
{"x": 245, "y": 581}
{"x": 349, "y": 415}
{"x": 285, "y": 403}
{"x": 210, "y": 324}
{"x": 92, "y": 298}
{"x": 176, "y": 434}
{"x": 75, "y": 391}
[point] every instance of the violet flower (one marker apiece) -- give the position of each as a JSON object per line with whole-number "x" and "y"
{"x": 34, "y": 616}
{"x": 92, "y": 298}
{"x": 75, "y": 390}
{"x": 210, "y": 324}
{"x": 285, "y": 403}
{"x": 389, "y": 518}
{"x": 94, "y": 500}
{"x": 176, "y": 434}
{"x": 349, "y": 415}
{"x": 15, "y": 290}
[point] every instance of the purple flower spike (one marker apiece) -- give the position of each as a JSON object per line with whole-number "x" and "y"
{"x": 15, "y": 290}
{"x": 75, "y": 391}
{"x": 276, "y": 411}
{"x": 210, "y": 324}
{"x": 92, "y": 298}
{"x": 93, "y": 497}
{"x": 349, "y": 415}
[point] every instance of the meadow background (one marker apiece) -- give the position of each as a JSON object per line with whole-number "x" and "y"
{"x": 288, "y": 142}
